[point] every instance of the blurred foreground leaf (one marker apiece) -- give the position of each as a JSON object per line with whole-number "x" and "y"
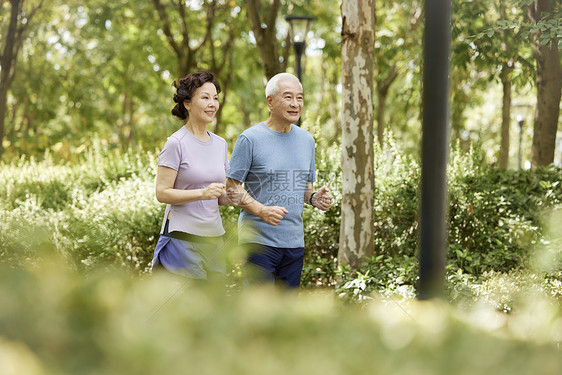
{"x": 112, "y": 323}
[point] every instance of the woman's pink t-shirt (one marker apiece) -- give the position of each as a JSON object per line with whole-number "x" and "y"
{"x": 198, "y": 165}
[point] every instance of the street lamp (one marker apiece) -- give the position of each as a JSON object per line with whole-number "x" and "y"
{"x": 521, "y": 122}
{"x": 298, "y": 28}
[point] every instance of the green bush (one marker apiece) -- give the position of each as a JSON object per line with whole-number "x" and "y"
{"x": 322, "y": 228}
{"x": 57, "y": 185}
{"x": 496, "y": 214}
{"x": 99, "y": 210}
{"x": 495, "y": 222}
{"x": 118, "y": 225}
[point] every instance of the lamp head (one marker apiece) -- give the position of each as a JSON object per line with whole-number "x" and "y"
{"x": 298, "y": 28}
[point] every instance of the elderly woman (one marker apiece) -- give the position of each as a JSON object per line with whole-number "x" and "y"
{"x": 191, "y": 181}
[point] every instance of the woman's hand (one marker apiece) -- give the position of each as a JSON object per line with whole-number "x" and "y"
{"x": 213, "y": 191}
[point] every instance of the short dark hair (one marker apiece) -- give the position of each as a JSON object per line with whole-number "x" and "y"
{"x": 185, "y": 88}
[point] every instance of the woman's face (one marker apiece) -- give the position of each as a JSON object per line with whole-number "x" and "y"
{"x": 204, "y": 104}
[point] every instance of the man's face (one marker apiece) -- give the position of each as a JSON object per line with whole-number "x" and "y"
{"x": 288, "y": 102}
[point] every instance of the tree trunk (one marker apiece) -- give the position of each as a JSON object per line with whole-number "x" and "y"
{"x": 265, "y": 33}
{"x": 12, "y": 43}
{"x": 219, "y": 67}
{"x": 506, "y": 116}
{"x": 7, "y": 64}
{"x": 185, "y": 64}
{"x": 357, "y": 220}
{"x": 131, "y": 136}
{"x": 381, "y": 99}
{"x": 225, "y": 90}
{"x": 382, "y": 94}
{"x": 549, "y": 85}
{"x": 3, "y": 110}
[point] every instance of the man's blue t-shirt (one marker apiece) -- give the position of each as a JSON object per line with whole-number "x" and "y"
{"x": 275, "y": 168}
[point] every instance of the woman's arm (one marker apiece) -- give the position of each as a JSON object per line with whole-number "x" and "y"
{"x": 165, "y": 192}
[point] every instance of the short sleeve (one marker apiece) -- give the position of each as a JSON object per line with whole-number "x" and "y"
{"x": 313, "y": 164}
{"x": 170, "y": 156}
{"x": 241, "y": 159}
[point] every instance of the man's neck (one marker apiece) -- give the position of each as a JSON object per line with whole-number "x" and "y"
{"x": 278, "y": 126}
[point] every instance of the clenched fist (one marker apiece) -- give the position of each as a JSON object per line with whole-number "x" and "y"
{"x": 272, "y": 215}
{"x": 322, "y": 199}
{"x": 235, "y": 196}
{"x": 213, "y": 191}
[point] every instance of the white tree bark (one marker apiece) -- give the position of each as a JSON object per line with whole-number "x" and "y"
{"x": 358, "y": 44}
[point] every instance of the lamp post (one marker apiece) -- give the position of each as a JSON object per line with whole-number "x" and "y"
{"x": 435, "y": 142}
{"x": 521, "y": 122}
{"x": 298, "y": 28}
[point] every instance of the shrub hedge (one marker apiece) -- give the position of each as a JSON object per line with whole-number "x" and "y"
{"x": 497, "y": 222}
{"x": 102, "y": 211}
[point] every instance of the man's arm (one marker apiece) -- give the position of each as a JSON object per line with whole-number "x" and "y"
{"x": 272, "y": 215}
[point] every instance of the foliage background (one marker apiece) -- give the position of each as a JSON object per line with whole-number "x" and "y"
{"x": 90, "y": 69}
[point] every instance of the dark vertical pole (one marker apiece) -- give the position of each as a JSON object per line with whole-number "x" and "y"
{"x": 299, "y": 68}
{"x": 433, "y": 210}
{"x": 299, "y": 49}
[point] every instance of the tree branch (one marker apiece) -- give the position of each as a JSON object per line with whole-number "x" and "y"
{"x": 272, "y": 15}
{"x": 385, "y": 85}
{"x": 210, "y": 19}
{"x": 252, "y": 8}
{"x": 166, "y": 26}
{"x": 21, "y": 30}
{"x": 266, "y": 39}
{"x": 184, "y": 32}
{"x": 227, "y": 49}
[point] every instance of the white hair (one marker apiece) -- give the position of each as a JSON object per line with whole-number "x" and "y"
{"x": 272, "y": 86}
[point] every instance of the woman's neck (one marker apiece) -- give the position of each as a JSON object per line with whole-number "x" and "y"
{"x": 198, "y": 130}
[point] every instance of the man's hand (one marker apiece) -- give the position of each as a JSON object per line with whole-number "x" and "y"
{"x": 272, "y": 215}
{"x": 235, "y": 196}
{"x": 322, "y": 199}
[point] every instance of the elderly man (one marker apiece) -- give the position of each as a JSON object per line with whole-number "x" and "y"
{"x": 271, "y": 176}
